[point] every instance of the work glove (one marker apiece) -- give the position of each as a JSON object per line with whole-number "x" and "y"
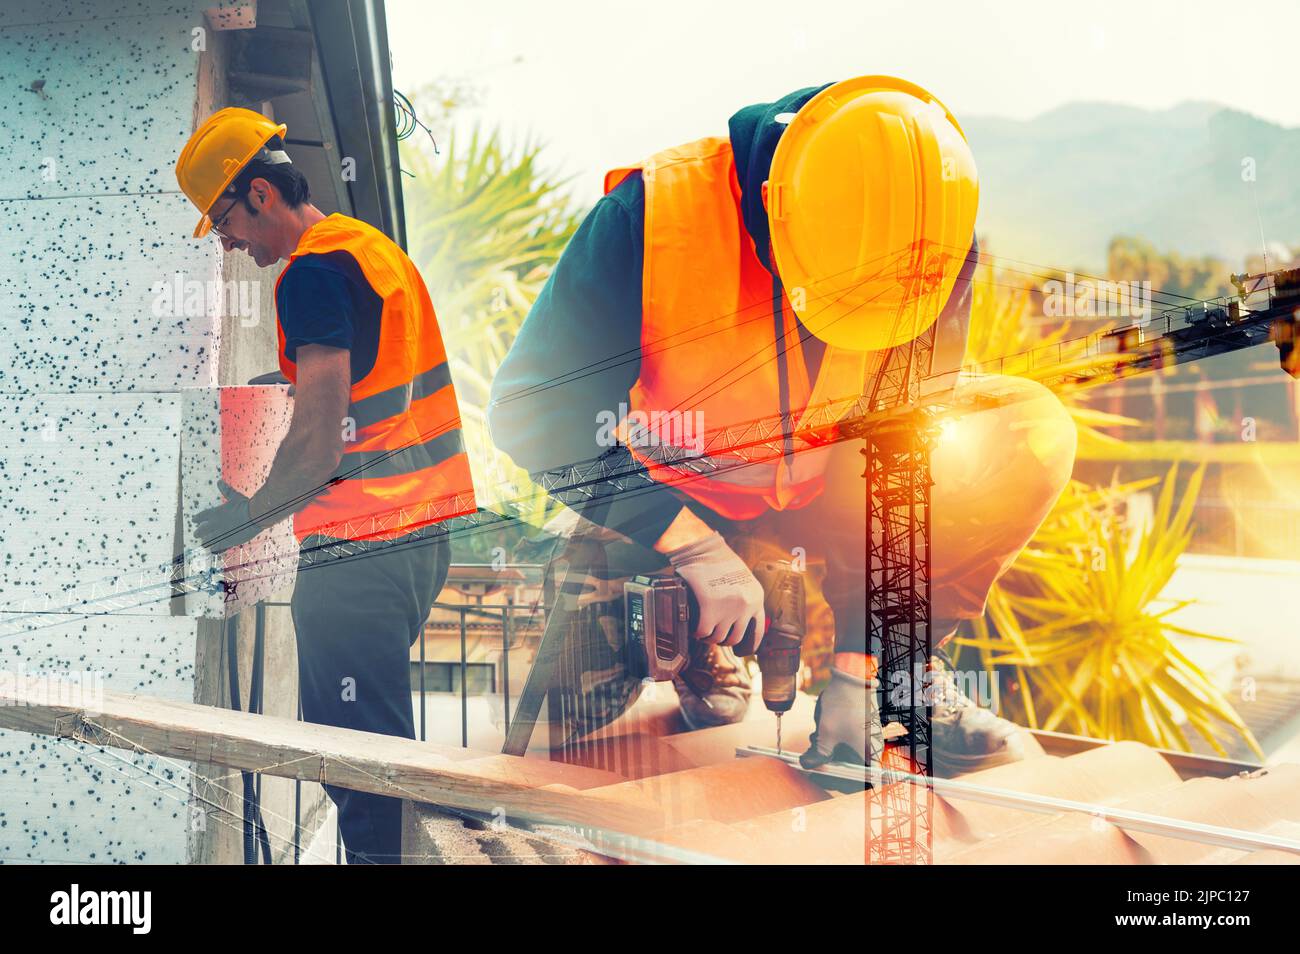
{"x": 848, "y": 723}
{"x": 730, "y": 599}
{"x": 226, "y": 525}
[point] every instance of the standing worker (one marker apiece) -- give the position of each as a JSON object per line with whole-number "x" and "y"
{"x": 374, "y": 440}
{"x": 741, "y": 277}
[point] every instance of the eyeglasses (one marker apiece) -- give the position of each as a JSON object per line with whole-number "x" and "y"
{"x": 219, "y": 222}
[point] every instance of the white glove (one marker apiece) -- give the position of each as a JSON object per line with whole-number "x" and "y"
{"x": 730, "y": 599}
{"x": 848, "y": 723}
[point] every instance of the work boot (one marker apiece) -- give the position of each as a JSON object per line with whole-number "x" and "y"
{"x": 714, "y": 687}
{"x": 967, "y": 737}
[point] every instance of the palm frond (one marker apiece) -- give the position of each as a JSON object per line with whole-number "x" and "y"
{"x": 485, "y": 226}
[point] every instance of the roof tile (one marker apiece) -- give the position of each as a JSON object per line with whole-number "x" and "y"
{"x": 726, "y": 792}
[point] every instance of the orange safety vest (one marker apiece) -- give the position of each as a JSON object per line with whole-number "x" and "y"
{"x": 713, "y": 348}
{"x": 406, "y": 466}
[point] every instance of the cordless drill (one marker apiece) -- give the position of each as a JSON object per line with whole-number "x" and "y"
{"x": 778, "y": 653}
{"x": 660, "y": 615}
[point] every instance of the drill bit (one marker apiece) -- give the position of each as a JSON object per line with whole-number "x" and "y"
{"x": 778, "y": 732}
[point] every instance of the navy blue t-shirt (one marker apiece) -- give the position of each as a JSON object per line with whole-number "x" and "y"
{"x": 325, "y": 299}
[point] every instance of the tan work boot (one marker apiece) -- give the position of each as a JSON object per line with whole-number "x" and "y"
{"x": 714, "y": 687}
{"x": 967, "y": 737}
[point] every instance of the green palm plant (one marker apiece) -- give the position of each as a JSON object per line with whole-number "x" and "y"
{"x": 485, "y": 225}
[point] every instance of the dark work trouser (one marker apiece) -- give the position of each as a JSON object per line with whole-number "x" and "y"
{"x": 356, "y": 619}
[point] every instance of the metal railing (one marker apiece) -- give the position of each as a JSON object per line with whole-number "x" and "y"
{"x": 498, "y": 616}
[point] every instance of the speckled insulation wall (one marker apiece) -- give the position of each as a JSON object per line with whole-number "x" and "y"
{"x": 97, "y": 377}
{"x": 62, "y": 801}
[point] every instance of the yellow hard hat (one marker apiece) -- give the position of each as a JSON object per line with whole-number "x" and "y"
{"x": 871, "y": 202}
{"x": 216, "y": 153}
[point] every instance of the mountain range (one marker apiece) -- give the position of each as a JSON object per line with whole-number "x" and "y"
{"x": 1197, "y": 178}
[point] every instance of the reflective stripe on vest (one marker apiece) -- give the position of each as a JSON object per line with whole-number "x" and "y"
{"x": 375, "y": 408}
{"x": 715, "y": 339}
{"x": 405, "y": 459}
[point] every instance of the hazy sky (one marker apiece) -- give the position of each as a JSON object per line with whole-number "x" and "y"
{"x": 605, "y": 83}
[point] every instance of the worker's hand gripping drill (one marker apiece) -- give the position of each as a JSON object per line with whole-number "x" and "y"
{"x": 729, "y": 597}
{"x": 227, "y": 524}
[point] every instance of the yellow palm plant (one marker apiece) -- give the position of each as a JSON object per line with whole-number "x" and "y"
{"x": 1075, "y": 620}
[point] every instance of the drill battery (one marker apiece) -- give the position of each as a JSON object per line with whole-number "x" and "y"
{"x": 656, "y": 614}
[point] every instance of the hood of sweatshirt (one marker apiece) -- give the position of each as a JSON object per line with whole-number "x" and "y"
{"x": 754, "y": 133}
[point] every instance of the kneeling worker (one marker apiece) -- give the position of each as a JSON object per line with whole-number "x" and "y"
{"x": 763, "y": 273}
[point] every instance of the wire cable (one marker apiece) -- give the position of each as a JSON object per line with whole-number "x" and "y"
{"x": 408, "y": 121}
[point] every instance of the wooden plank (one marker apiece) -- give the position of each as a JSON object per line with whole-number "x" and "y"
{"x": 1101, "y": 776}
{"x": 827, "y": 832}
{"x": 725, "y": 792}
{"x": 759, "y": 727}
{"x": 88, "y": 296}
{"x": 538, "y": 772}
{"x": 636, "y": 755}
{"x": 362, "y": 761}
